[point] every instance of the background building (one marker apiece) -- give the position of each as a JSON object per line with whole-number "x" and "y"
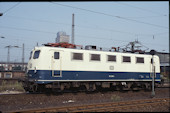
{"x": 164, "y": 63}
{"x": 62, "y": 37}
{"x": 12, "y": 70}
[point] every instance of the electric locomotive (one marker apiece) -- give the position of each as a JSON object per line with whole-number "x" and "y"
{"x": 59, "y": 68}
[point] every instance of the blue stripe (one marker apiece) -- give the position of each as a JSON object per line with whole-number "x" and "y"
{"x": 89, "y": 75}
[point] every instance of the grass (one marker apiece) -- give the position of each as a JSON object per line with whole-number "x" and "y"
{"x": 11, "y": 86}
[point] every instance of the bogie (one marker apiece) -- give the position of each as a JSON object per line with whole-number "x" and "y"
{"x": 89, "y": 86}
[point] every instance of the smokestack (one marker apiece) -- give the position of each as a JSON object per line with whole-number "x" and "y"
{"x": 72, "y": 37}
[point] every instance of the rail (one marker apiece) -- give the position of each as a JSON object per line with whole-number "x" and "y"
{"x": 103, "y": 107}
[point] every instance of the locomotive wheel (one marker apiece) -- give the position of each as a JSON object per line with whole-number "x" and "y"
{"x": 33, "y": 88}
{"x": 119, "y": 87}
{"x": 148, "y": 87}
{"x": 62, "y": 87}
{"x": 92, "y": 87}
{"x": 40, "y": 88}
{"x": 126, "y": 88}
{"x": 26, "y": 86}
{"x": 135, "y": 87}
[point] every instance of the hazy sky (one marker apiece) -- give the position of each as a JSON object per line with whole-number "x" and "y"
{"x": 104, "y": 24}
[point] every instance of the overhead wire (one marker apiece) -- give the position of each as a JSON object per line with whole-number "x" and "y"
{"x": 27, "y": 29}
{"x": 11, "y": 8}
{"x": 144, "y": 16}
{"x": 114, "y": 39}
{"x": 76, "y": 25}
{"x": 147, "y": 10}
{"x": 111, "y": 15}
{"x": 99, "y": 28}
{"x": 38, "y": 20}
{"x": 67, "y": 24}
{"x": 111, "y": 30}
{"x": 94, "y": 37}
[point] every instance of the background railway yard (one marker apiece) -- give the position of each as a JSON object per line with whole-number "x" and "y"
{"x": 104, "y": 100}
{"x": 95, "y": 67}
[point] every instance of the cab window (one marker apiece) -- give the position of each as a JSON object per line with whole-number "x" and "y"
{"x": 36, "y": 54}
{"x": 56, "y": 55}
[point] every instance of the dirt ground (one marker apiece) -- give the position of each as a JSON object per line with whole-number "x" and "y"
{"x": 27, "y": 101}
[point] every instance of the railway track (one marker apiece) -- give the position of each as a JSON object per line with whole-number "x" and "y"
{"x": 105, "y": 107}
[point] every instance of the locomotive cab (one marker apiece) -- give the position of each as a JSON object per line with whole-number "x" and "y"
{"x": 44, "y": 64}
{"x": 35, "y": 65}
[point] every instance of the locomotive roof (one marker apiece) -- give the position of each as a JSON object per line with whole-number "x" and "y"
{"x": 82, "y": 50}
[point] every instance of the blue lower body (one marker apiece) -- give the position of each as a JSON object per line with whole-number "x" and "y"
{"x": 47, "y": 76}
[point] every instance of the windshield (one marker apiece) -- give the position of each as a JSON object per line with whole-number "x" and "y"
{"x": 36, "y": 54}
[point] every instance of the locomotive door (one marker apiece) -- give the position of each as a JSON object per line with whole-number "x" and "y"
{"x": 56, "y": 63}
